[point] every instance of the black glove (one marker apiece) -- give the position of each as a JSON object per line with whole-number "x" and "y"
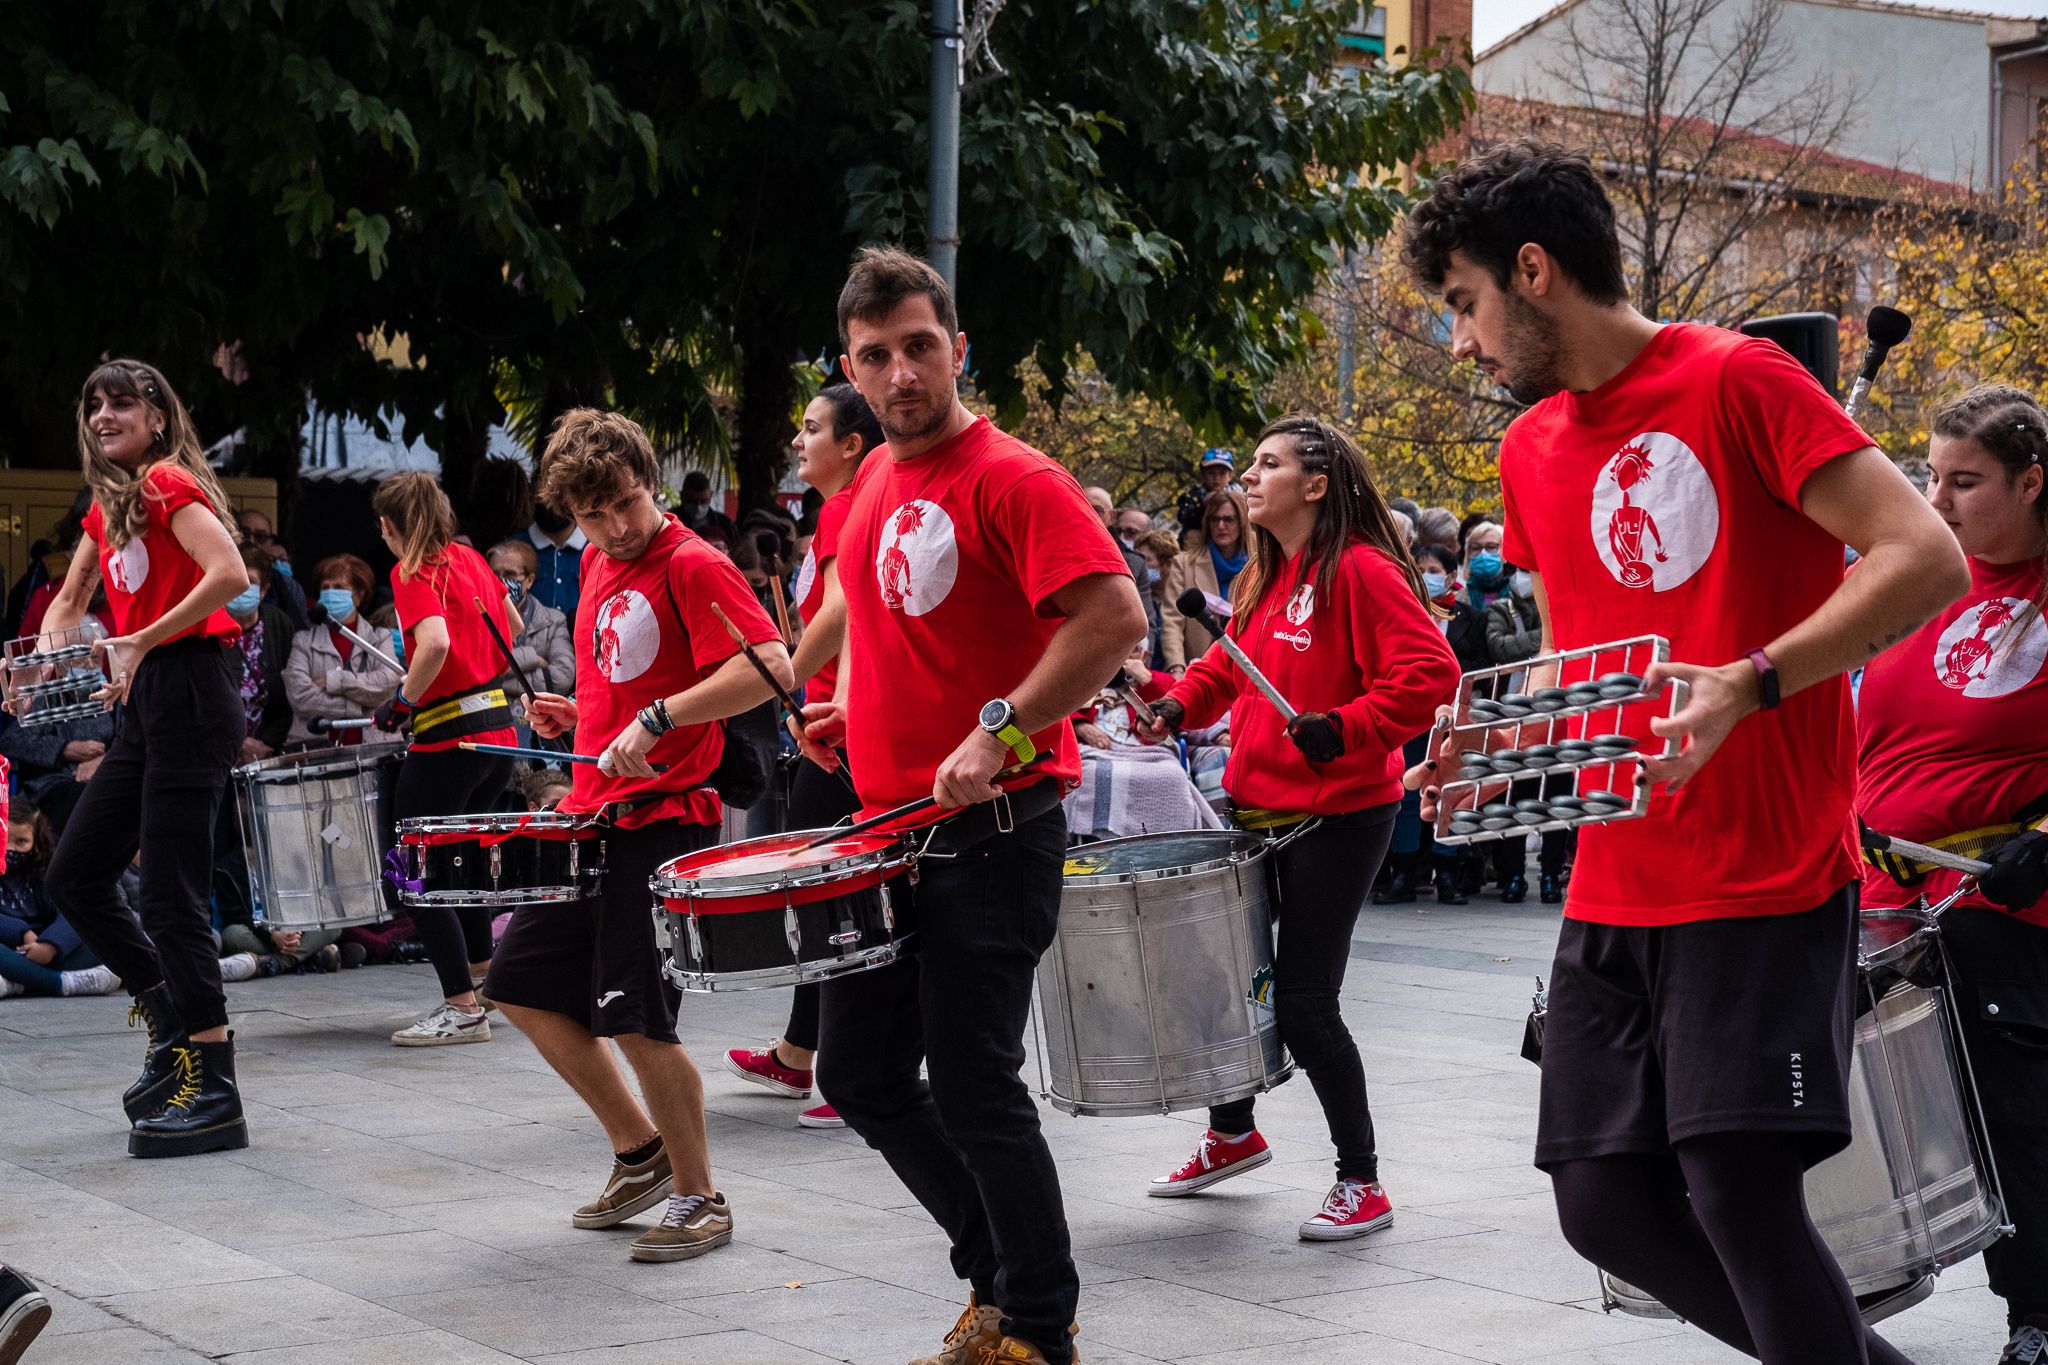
{"x": 1169, "y": 712}
{"x": 393, "y": 713}
{"x": 2019, "y": 871}
{"x": 1317, "y": 736}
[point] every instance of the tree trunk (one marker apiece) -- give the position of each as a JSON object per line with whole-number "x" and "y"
{"x": 465, "y": 435}
{"x": 768, "y": 391}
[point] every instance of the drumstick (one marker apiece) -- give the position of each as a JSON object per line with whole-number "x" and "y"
{"x": 519, "y": 751}
{"x": 771, "y": 546}
{"x": 907, "y": 808}
{"x": 1921, "y": 853}
{"x": 782, "y": 693}
{"x": 525, "y": 683}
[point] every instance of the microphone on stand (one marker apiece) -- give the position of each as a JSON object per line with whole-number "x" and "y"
{"x": 321, "y": 725}
{"x": 1886, "y": 328}
{"x": 1194, "y": 604}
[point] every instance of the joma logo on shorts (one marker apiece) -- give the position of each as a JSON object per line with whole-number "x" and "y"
{"x": 1798, "y": 1081}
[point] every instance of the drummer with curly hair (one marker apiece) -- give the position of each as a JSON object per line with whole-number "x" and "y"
{"x": 1332, "y": 611}
{"x": 1952, "y": 751}
{"x": 658, "y": 673}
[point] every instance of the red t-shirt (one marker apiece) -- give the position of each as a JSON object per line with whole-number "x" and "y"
{"x": 152, "y": 573}
{"x": 949, "y": 562}
{"x": 1666, "y": 502}
{"x": 1371, "y": 657}
{"x": 645, "y": 630}
{"x": 1952, "y": 726}
{"x": 810, "y": 585}
{"x": 449, "y": 586}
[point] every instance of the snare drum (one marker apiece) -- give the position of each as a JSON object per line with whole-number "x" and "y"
{"x": 769, "y": 912}
{"x": 318, "y": 826}
{"x": 1158, "y": 986}
{"x": 508, "y": 858}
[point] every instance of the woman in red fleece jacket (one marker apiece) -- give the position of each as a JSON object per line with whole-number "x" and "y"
{"x": 1332, "y": 610}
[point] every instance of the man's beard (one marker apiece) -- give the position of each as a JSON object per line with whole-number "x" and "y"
{"x": 922, "y": 422}
{"x": 1530, "y": 353}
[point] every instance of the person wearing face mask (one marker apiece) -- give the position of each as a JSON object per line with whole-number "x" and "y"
{"x": 1156, "y": 550}
{"x": 544, "y": 648}
{"x": 280, "y": 589}
{"x": 1414, "y": 859}
{"x": 328, "y": 676}
{"x": 1952, "y": 751}
{"x": 266, "y": 643}
{"x": 558, "y": 560}
{"x": 1514, "y": 632}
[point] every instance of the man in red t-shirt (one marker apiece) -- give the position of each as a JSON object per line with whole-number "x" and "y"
{"x": 985, "y": 603}
{"x": 659, "y": 672}
{"x": 1688, "y": 482}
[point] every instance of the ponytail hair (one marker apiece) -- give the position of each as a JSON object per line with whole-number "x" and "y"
{"x": 1351, "y": 510}
{"x": 121, "y": 492}
{"x": 419, "y": 511}
{"x": 2010, "y": 426}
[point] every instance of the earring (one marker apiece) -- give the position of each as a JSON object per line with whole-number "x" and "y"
{"x": 160, "y": 440}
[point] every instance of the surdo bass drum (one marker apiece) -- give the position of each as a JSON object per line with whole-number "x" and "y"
{"x": 317, "y": 823}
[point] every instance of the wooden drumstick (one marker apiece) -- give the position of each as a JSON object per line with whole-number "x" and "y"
{"x": 782, "y": 693}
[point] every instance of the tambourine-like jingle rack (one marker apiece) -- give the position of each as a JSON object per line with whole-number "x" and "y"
{"x": 1556, "y": 756}
{"x": 52, "y": 676}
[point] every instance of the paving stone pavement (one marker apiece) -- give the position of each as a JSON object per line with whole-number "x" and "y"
{"x": 411, "y": 1205}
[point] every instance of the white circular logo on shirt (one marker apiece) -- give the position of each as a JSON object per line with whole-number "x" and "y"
{"x": 1302, "y": 605}
{"x": 1655, "y": 513}
{"x": 806, "y": 575}
{"x": 1978, "y": 655}
{"x": 128, "y": 567}
{"x": 628, "y": 635}
{"x": 918, "y": 558}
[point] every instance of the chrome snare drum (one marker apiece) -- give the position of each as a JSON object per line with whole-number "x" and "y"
{"x": 770, "y": 912}
{"x": 1915, "y": 1191}
{"x": 508, "y": 858}
{"x": 1158, "y": 986}
{"x": 318, "y": 825}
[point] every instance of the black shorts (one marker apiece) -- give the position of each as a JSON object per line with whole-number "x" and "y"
{"x": 1656, "y": 1035}
{"x": 598, "y": 960}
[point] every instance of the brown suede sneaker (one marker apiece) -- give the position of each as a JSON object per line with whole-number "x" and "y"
{"x": 979, "y": 1331}
{"x": 630, "y": 1189}
{"x": 692, "y": 1225}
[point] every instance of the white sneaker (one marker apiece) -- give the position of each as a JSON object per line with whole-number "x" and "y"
{"x": 240, "y": 967}
{"x": 8, "y": 988}
{"x": 91, "y": 981}
{"x": 445, "y": 1025}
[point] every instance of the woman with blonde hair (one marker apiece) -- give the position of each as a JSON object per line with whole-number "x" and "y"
{"x": 158, "y": 534}
{"x": 449, "y": 694}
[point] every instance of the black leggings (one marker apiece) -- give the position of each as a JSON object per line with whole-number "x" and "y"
{"x": 816, "y": 799}
{"x": 158, "y": 790}
{"x": 451, "y": 782}
{"x": 1321, "y": 881}
{"x": 1718, "y": 1232}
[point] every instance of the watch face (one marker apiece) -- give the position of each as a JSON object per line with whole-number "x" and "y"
{"x": 995, "y": 715}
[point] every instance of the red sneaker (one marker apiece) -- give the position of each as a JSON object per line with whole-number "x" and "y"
{"x": 1351, "y": 1209}
{"x": 1216, "y": 1158}
{"x": 760, "y": 1066}
{"x": 820, "y": 1116}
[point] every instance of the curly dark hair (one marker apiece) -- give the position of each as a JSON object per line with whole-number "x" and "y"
{"x": 1490, "y": 205}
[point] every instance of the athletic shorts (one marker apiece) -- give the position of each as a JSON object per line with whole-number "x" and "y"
{"x": 598, "y": 960}
{"x": 1660, "y": 1034}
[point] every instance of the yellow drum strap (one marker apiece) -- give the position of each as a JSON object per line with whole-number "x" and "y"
{"x": 1251, "y": 818}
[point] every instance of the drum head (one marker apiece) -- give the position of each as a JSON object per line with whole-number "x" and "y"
{"x": 1888, "y": 937}
{"x": 1145, "y": 856}
{"x": 755, "y": 865}
{"x": 311, "y": 763}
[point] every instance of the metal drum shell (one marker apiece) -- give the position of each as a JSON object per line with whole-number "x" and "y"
{"x": 319, "y": 825}
{"x": 1146, "y": 985}
{"x": 562, "y": 861}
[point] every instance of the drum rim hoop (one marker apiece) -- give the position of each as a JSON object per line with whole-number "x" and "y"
{"x": 318, "y": 762}
{"x": 1255, "y": 848}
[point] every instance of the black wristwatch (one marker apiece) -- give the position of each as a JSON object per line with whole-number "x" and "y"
{"x": 1766, "y": 679}
{"x": 999, "y": 718}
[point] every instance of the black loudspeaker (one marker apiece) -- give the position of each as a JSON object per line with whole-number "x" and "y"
{"x": 1813, "y": 339}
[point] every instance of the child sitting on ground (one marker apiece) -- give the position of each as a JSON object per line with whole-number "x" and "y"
{"x": 40, "y": 953}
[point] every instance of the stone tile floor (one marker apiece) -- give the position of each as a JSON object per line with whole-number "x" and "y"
{"x": 411, "y": 1206}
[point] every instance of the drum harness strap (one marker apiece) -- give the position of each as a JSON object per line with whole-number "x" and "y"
{"x": 1970, "y": 843}
{"x": 1280, "y": 827}
{"x": 468, "y": 713}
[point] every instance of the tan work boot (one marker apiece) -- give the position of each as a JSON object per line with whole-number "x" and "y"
{"x": 630, "y": 1189}
{"x": 979, "y": 1331}
{"x": 692, "y": 1225}
{"x": 1015, "y": 1351}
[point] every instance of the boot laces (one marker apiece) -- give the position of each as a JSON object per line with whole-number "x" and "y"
{"x": 186, "y": 1059}
{"x": 963, "y": 1328}
{"x": 680, "y": 1207}
{"x": 139, "y": 1015}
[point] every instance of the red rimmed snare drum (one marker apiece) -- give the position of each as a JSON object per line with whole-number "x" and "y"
{"x": 510, "y": 858}
{"x": 769, "y": 912}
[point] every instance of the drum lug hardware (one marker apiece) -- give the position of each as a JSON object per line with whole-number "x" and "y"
{"x": 842, "y": 940}
{"x": 889, "y": 904}
{"x": 696, "y": 939}
{"x": 791, "y": 930}
{"x": 572, "y": 859}
{"x": 497, "y": 864}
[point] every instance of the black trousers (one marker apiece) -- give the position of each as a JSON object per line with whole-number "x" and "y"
{"x": 1321, "y": 880}
{"x": 2001, "y": 976}
{"x": 967, "y": 1143}
{"x": 158, "y": 790}
{"x": 451, "y": 782}
{"x": 816, "y": 799}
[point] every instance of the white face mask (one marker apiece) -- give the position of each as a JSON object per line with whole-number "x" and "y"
{"x": 1524, "y": 583}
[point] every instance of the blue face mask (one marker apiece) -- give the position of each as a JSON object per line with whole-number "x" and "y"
{"x": 283, "y": 566}
{"x": 1148, "y": 577}
{"x": 1487, "y": 567}
{"x": 514, "y": 589}
{"x": 244, "y": 603}
{"x": 340, "y": 602}
{"x": 1434, "y": 583}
